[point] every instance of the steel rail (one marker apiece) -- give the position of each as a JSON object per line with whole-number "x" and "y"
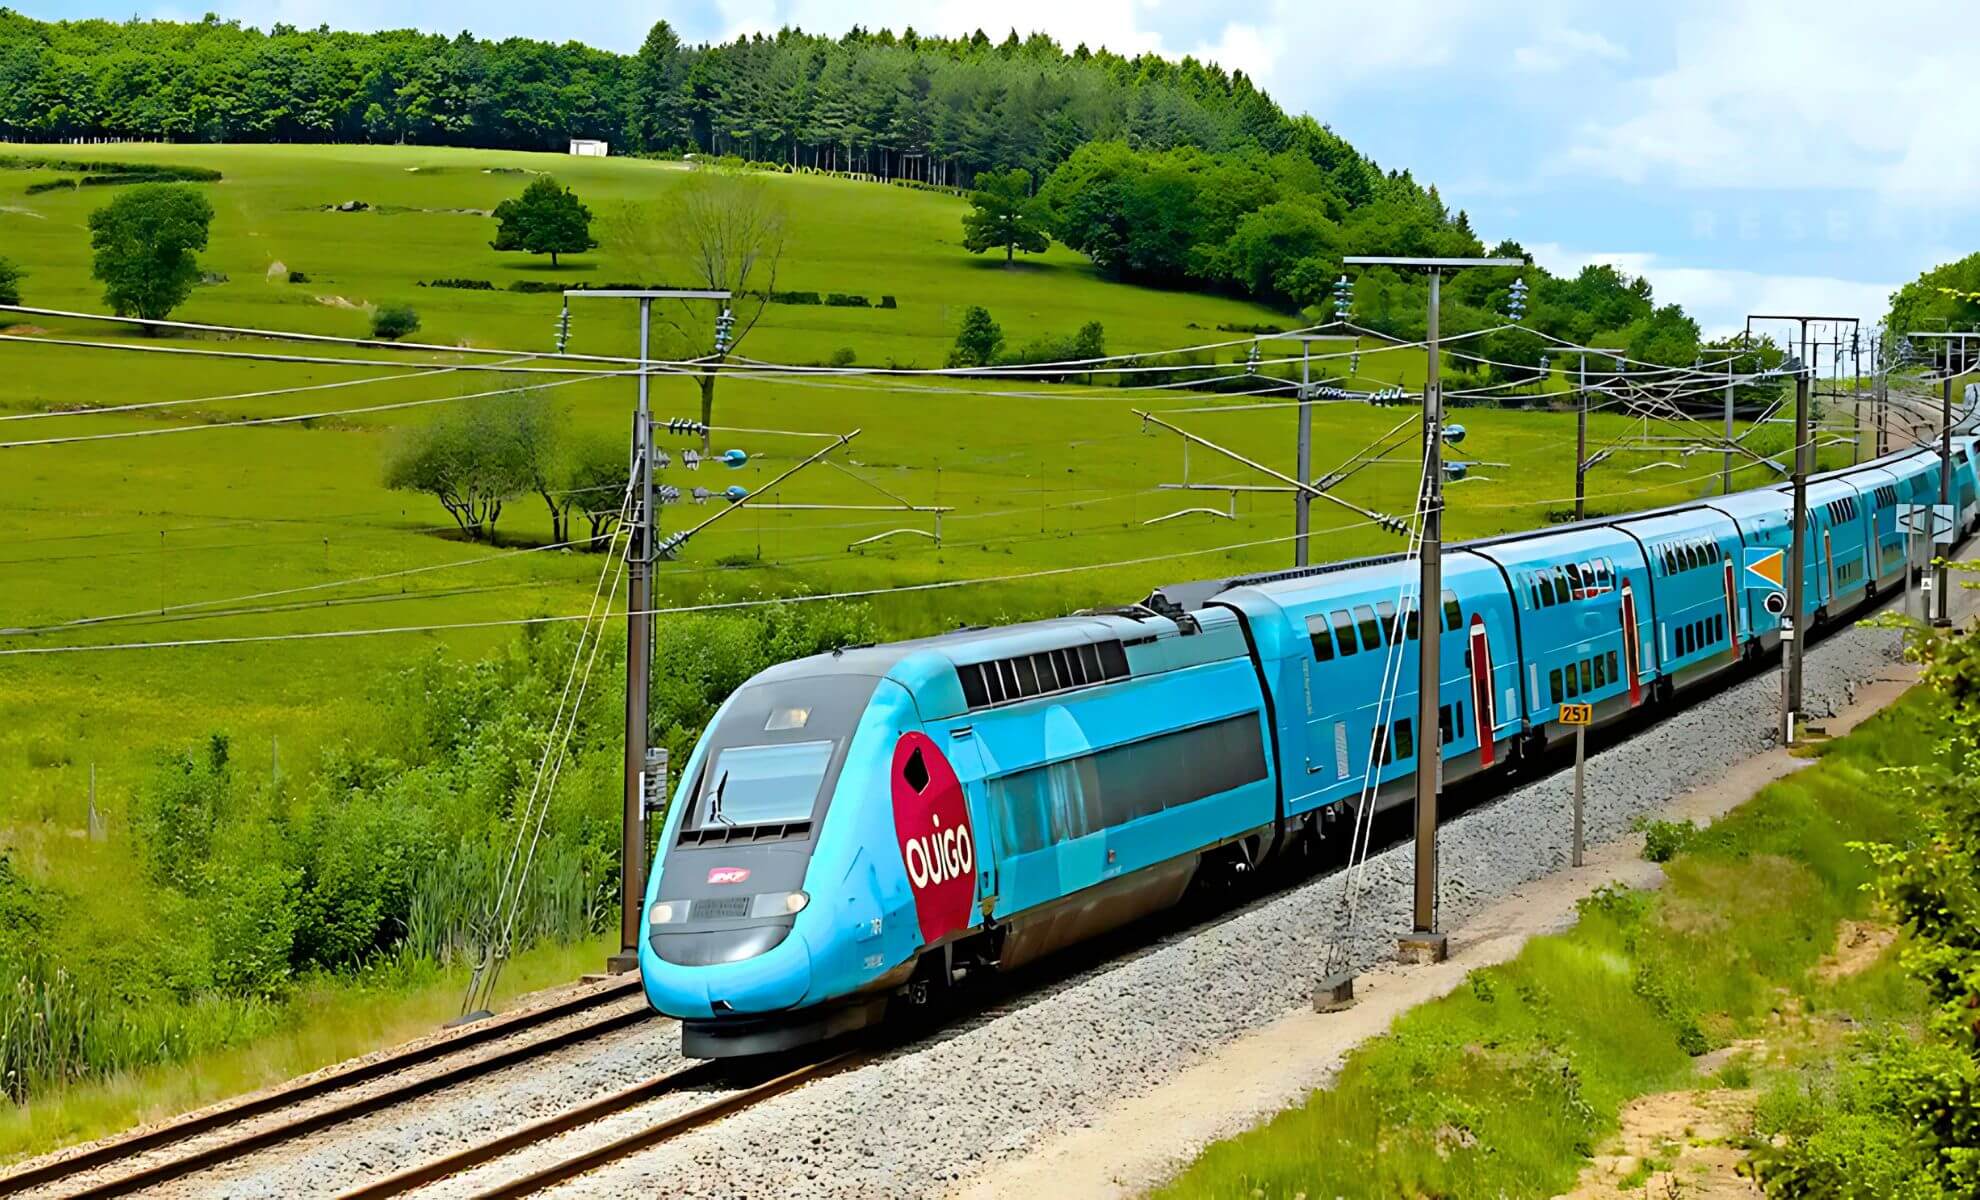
{"x": 480, "y": 1034}
{"x": 671, "y": 1127}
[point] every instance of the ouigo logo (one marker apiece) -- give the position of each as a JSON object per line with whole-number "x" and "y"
{"x": 931, "y": 822}
{"x": 727, "y": 874}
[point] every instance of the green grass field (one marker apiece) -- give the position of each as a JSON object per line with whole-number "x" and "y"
{"x": 1041, "y": 479}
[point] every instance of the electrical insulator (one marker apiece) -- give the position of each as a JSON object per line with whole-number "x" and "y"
{"x": 734, "y": 458}
{"x": 686, "y": 425}
{"x": 1454, "y": 433}
{"x": 661, "y": 460}
{"x": 724, "y": 326}
{"x": 670, "y": 546}
{"x": 1456, "y": 470}
{"x": 669, "y": 494}
{"x": 1251, "y": 360}
{"x": 735, "y": 493}
{"x": 701, "y": 495}
{"x": 691, "y": 459}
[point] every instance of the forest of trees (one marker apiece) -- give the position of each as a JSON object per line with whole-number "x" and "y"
{"x": 934, "y": 109}
{"x": 1178, "y": 174}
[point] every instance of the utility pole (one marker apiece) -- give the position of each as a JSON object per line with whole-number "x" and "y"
{"x": 1726, "y": 467}
{"x": 1302, "y": 502}
{"x": 1940, "y": 581}
{"x": 1425, "y": 942}
{"x": 1791, "y": 640}
{"x": 641, "y": 543}
{"x": 1581, "y": 443}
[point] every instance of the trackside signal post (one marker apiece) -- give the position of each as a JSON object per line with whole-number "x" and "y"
{"x": 1425, "y": 942}
{"x": 640, "y": 548}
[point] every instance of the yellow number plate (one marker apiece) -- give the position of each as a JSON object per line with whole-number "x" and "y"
{"x": 1577, "y": 714}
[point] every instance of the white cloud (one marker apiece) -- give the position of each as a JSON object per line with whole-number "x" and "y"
{"x": 1719, "y": 299}
{"x": 1814, "y": 93}
{"x": 1561, "y": 47}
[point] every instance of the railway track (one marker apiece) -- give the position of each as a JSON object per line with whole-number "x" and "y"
{"x": 252, "y": 1140}
{"x": 646, "y": 1136}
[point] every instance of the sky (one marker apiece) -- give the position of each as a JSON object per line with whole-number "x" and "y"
{"x": 1745, "y": 155}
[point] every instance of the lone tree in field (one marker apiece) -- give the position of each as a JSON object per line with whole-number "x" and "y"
{"x": 394, "y": 321}
{"x": 718, "y": 230}
{"x": 545, "y": 219}
{"x": 474, "y": 457}
{"x": 979, "y": 341}
{"x": 10, "y": 281}
{"x": 145, "y": 242}
{"x": 1004, "y": 215}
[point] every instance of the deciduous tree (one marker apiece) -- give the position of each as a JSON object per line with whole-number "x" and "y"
{"x": 146, "y": 243}
{"x": 545, "y": 219}
{"x": 724, "y": 230}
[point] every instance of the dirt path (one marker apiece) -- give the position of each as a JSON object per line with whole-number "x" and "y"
{"x": 1147, "y": 1139}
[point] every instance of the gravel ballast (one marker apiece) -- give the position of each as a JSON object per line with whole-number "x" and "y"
{"x": 913, "y": 1123}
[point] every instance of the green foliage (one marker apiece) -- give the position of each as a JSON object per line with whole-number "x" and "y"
{"x": 179, "y": 811}
{"x": 1665, "y": 840}
{"x": 475, "y": 456}
{"x": 844, "y": 356}
{"x": 10, "y": 281}
{"x": 1841, "y": 1128}
{"x": 145, "y": 241}
{"x": 594, "y": 481}
{"x": 1945, "y": 297}
{"x": 394, "y": 321}
{"x": 1932, "y": 883}
{"x": 979, "y": 341}
{"x": 1004, "y": 215}
{"x": 545, "y": 219}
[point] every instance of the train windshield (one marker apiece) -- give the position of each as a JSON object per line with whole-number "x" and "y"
{"x": 763, "y": 785}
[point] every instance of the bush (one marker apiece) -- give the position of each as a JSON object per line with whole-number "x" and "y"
{"x": 10, "y": 281}
{"x": 394, "y": 321}
{"x": 1665, "y": 840}
{"x": 795, "y": 298}
{"x": 298, "y": 277}
{"x": 842, "y": 300}
{"x": 466, "y": 285}
{"x": 49, "y": 185}
{"x": 842, "y": 357}
{"x": 176, "y": 812}
{"x": 536, "y": 286}
{"x": 887, "y": 302}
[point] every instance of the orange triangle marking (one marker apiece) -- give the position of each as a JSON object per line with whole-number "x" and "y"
{"x": 1769, "y": 567}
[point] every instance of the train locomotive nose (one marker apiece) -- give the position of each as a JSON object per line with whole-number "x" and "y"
{"x": 749, "y": 965}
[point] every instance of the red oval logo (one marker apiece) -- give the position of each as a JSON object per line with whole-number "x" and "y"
{"x": 931, "y": 822}
{"x": 728, "y": 874}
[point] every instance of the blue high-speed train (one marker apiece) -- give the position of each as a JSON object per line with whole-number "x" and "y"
{"x": 867, "y": 825}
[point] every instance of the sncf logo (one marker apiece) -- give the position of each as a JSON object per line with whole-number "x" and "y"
{"x": 931, "y": 823}
{"x": 727, "y": 874}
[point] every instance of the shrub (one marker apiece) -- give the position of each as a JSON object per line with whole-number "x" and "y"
{"x": 466, "y": 285}
{"x": 842, "y": 300}
{"x": 177, "y": 810}
{"x": 842, "y": 357}
{"x": 535, "y": 286}
{"x": 48, "y": 185}
{"x": 298, "y": 277}
{"x": 10, "y": 281}
{"x": 795, "y": 298}
{"x": 887, "y": 302}
{"x": 394, "y": 321}
{"x": 979, "y": 341}
{"x": 1665, "y": 840}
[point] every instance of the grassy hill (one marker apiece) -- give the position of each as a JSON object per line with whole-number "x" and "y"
{"x": 1041, "y": 478}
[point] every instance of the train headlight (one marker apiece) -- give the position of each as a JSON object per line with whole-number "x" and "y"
{"x": 667, "y": 912}
{"x": 778, "y": 904}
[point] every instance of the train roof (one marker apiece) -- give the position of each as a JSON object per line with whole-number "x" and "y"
{"x": 1192, "y": 595}
{"x": 975, "y": 643}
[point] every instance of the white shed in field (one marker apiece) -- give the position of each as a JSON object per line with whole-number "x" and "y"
{"x": 589, "y": 148}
